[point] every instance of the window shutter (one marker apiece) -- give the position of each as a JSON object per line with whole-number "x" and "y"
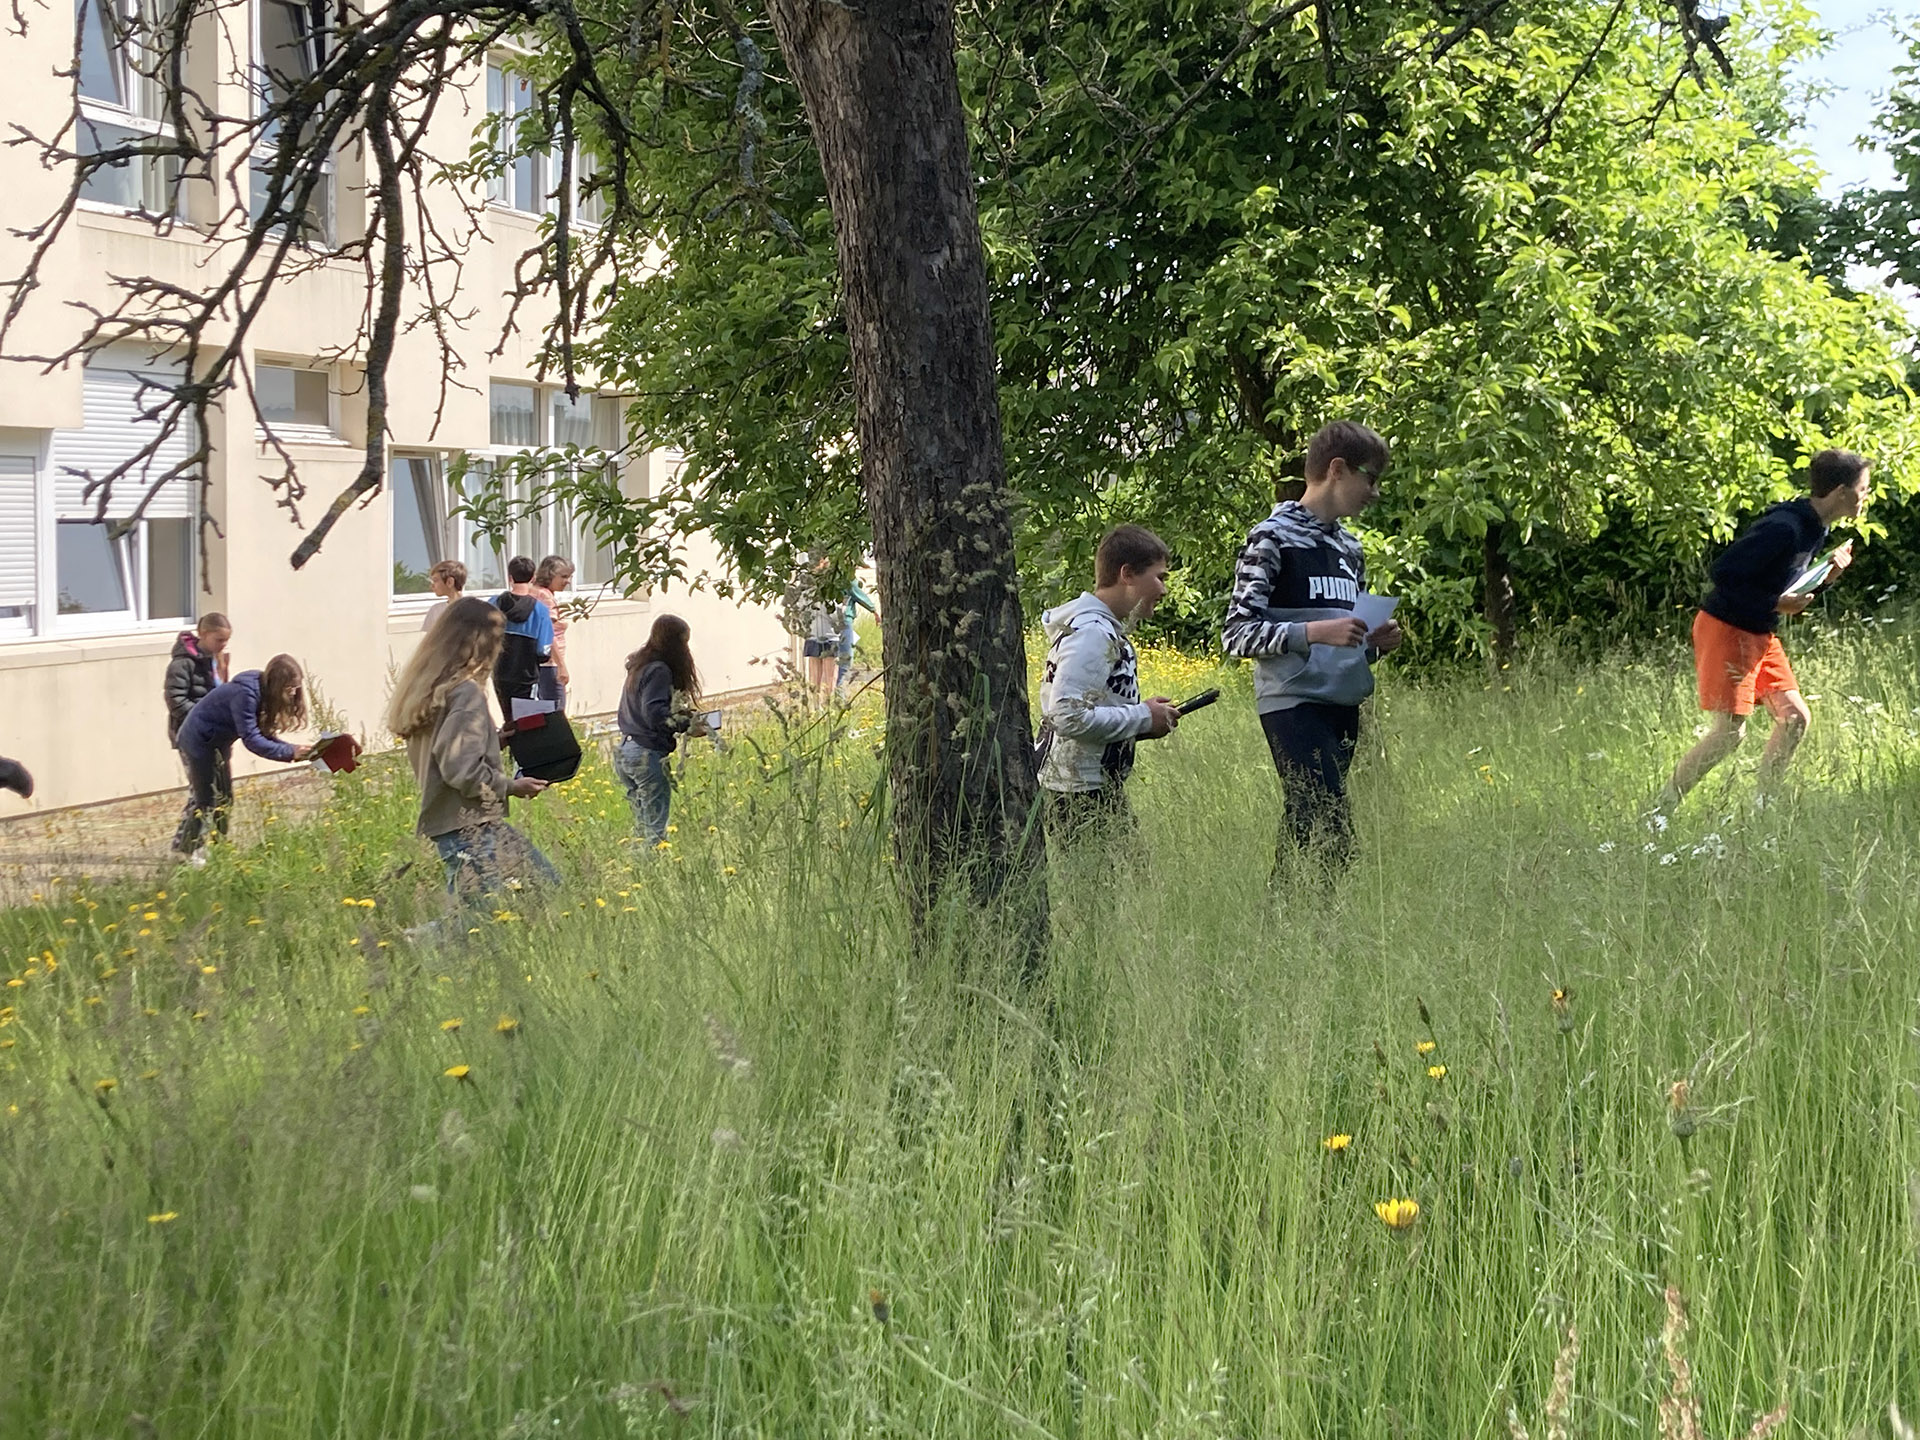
{"x": 115, "y": 430}
{"x": 17, "y": 530}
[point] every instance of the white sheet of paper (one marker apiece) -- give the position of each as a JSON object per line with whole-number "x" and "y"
{"x": 1375, "y": 610}
{"x": 523, "y": 707}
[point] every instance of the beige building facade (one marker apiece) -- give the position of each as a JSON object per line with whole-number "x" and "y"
{"x": 89, "y": 615}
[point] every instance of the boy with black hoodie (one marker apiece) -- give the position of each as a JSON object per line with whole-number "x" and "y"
{"x": 1294, "y": 589}
{"x": 1736, "y": 650}
{"x": 528, "y": 639}
{"x": 1091, "y": 713}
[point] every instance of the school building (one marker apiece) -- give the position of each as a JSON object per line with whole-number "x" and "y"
{"x": 89, "y": 611}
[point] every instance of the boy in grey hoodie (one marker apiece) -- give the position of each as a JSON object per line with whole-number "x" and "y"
{"x": 1294, "y": 589}
{"x": 1091, "y": 713}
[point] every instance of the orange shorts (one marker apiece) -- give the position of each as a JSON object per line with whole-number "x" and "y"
{"x": 1734, "y": 666}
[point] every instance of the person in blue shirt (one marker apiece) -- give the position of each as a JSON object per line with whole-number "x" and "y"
{"x": 255, "y": 708}
{"x": 857, "y": 597}
{"x": 528, "y": 639}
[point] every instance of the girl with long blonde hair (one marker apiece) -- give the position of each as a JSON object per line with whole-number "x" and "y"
{"x": 440, "y": 710}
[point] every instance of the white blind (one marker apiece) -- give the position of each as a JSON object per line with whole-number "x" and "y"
{"x": 17, "y": 530}
{"x": 115, "y": 430}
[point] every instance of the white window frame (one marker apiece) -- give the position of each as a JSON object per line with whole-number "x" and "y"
{"x": 36, "y": 454}
{"x": 551, "y": 530}
{"x": 135, "y": 552}
{"x": 266, "y": 150}
{"x": 546, "y": 163}
{"x": 129, "y": 58}
{"x": 296, "y": 433}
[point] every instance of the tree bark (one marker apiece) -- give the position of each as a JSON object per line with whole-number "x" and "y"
{"x": 1497, "y": 585}
{"x": 881, "y": 96}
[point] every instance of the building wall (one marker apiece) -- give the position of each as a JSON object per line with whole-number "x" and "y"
{"x": 84, "y": 711}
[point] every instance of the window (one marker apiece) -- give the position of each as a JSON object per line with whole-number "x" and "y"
{"x": 19, "y": 541}
{"x": 419, "y": 521}
{"x": 290, "y": 49}
{"x": 294, "y": 404}
{"x": 530, "y": 182}
{"x": 513, "y": 419}
{"x": 115, "y": 572}
{"x": 523, "y": 417}
{"x": 121, "y": 105}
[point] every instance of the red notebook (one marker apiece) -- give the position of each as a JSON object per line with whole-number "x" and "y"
{"x": 336, "y": 754}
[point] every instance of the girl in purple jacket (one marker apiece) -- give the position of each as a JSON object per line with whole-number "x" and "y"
{"x": 254, "y": 707}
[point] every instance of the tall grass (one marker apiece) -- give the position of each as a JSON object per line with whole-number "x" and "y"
{"x": 750, "y": 1160}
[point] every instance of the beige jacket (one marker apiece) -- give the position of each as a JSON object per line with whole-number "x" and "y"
{"x": 457, "y": 763}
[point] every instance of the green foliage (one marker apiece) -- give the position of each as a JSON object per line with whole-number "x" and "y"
{"x": 741, "y": 1101}
{"x": 1583, "y": 294}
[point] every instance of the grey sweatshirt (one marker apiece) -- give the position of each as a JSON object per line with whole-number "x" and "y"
{"x": 1295, "y": 568}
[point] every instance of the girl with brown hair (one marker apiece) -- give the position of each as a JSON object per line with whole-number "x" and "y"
{"x": 649, "y": 725}
{"x": 255, "y": 708}
{"x": 440, "y": 710}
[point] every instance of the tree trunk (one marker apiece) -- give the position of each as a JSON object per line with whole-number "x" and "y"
{"x": 1498, "y": 586}
{"x": 881, "y": 95}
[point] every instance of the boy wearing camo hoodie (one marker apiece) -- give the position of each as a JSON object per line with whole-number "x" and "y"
{"x": 1091, "y": 713}
{"x": 1294, "y": 589}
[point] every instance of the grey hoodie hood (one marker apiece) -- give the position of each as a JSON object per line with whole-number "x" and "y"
{"x": 1090, "y": 707}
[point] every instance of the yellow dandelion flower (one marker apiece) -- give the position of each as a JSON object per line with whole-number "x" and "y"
{"x": 1337, "y": 1144}
{"x": 459, "y": 1072}
{"x": 165, "y": 1217}
{"x": 453, "y": 1024}
{"x": 110, "y": 972}
{"x": 507, "y": 1026}
{"x": 598, "y": 903}
{"x": 1424, "y": 1047}
{"x": 729, "y": 870}
{"x": 363, "y": 1009}
{"x": 199, "y": 1014}
{"x": 103, "y": 1086}
{"x": 6, "y": 1044}
{"x": 146, "y": 932}
{"x": 93, "y": 1000}
{"x": 1397, "y": 1214}
{"x": 149, "y": 1074}
{"x": 209, "y": 969}
{"x": 673, "y": 829}
{"x": 254, "y": 920}
{"x": 15, "y": 983}
{"x": 150, "y": 915}
{"x": 1436, "y": 1072}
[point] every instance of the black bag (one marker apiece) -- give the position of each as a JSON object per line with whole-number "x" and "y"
{"x": 545, "y": 747}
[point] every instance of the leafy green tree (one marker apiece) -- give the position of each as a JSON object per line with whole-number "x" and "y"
{"x": 1560, "y": 269}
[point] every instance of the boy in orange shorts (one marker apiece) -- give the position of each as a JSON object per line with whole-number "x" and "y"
{"x": 1736, "y": 651}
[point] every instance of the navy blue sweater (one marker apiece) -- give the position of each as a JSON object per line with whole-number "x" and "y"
{"x": 1754, "y": 572}
{"x": 646, "y": 708}
{"x": 228, "y": 713}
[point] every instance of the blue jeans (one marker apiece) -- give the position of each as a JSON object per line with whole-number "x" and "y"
{"x": 484, "y": 859}
{"x": 644, "y": 773}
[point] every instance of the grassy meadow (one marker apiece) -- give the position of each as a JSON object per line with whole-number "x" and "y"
{"x": 709, "y": 1145}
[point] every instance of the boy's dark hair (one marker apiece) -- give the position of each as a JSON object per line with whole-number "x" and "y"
{"x": 1346, "y": 440}
{"x": 519, "y": 571}
{"x": 213, "y": 620}
{"x": 1126, "y": 545}
{"x": 1831, "y": 469}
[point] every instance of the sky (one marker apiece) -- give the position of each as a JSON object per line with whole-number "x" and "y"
{"x": 1859, "y": 69}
